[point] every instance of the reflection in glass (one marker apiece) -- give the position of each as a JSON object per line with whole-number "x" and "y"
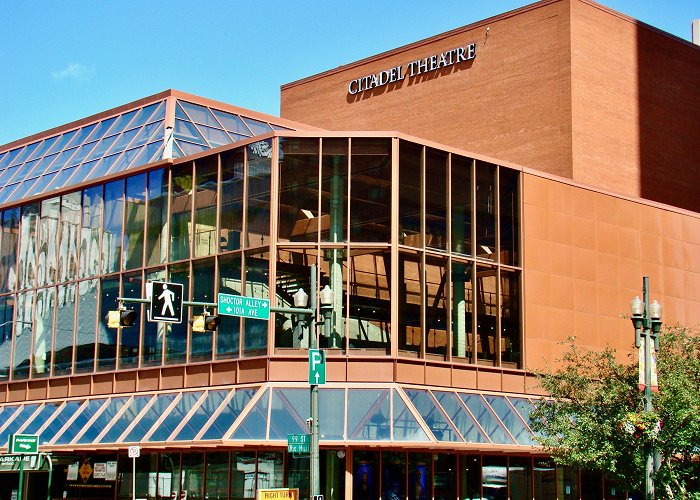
{"x": 7, "y": 309}
{"x": 68, "y": 249}
{"x": 153, "y": 333}
{"x": 494, "y": 477}
{"x": 48, "y": 238}
{"x": 220, "y": 427}
{"x": 257, "y": 280}
{"x": 406, "y": 427}
{"x": 103, "y": 419}
{"x": 90, "y": 232}
{"x": 43, "y": 331}
{"x": 254, "y": 425}
{"x": 205, "y": 240}
{"x": 393, "y": 475}
{"x": 370, "y": 304}
{"x": 199, "y": 418}
{"x": 176, "y": 415}
{"x": 410, "y": 175}
{"x": 8, "y": 247}
{"x": 545, "y": 479}
{"x": 445, "y": 477}
{"x": 85, "y": 336}
{"x": 520, "y": 478}
{"x": 462, "y": 419}
{"x": 365, "y": 470}
{"x": 65, "y": 324}
{"x": 134, "y": 217}
{"x": 147, "y": 419}
{"x": 23, "y": 335}
{"x": 176, "y": 338}
{"x": 487, "y": 313}
{"x": 435, "y": 199}
{"x": 293, "y": 273}
{"x": 192, "y": 482}
{"x": 231, "y": 217}
{"x": 130, "y": 414}
{"x": 298, "y": 192}
{"x": 437, "y": 306}
{"x": 28, "y": 246}
{"x": 486, "y": 418}
{"x": 485, "y": 210}
{"x": 157, "y": 223}
{"x": 409, "y": 302}
{"x": 509, "y": 218}
{"x": 419, "y": 476}
{"x": 470, "y": 475}
{"x": 462, "y": 309}
{"x": 334, "y": 190}
{"x": 168, "y": 476}
{"x": 370, "y": 185}
{"x": 217, "y": 475}
{"x": 333, "y": 272}
{"x": 203, "y": 291}
{"x": 369, "y": 415}
{"x": 243, "y": 483}
{"x": 129, "y": 338}
{"x": 85, "y": 413}
{"x": 441, "y": 428}
{"x": 107, "y": 337}
{"x": 285, "y": 409}
{"x": 259, "y": 170}
{"x": 228, "y": 333}
{"x": 180, "y": 212}
{"x": 510, "y": 319}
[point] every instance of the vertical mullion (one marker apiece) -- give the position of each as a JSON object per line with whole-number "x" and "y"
{"x": 217, "y": 227}
{"x": 244, "y": 246}
{"x": 423, "y": 272}
{"x": 472, "y": 251}
{"x": 394, "y": 239}
{"x": 499, "y": 298}
{"x": 448, "y": 270}
{"x": 275, "y": 174}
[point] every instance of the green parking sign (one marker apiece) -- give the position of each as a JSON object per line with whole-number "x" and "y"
{"x": 317, "y": 367}
{"x": 23, "y": 443}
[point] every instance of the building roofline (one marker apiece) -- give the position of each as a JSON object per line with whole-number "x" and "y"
{"x": 478, "y": 24}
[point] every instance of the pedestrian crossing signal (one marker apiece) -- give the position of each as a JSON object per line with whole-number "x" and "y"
{"x": 166, "y": 302}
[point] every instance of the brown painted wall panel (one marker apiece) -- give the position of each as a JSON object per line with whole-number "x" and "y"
{"x": 512, "y": 101}
{"x": 197, "y": 376}
{"x": 370, "y": 371}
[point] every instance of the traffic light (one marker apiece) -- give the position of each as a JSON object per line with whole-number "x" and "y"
{"x": 205, "y": 323}
{"x": 120, "y": 318}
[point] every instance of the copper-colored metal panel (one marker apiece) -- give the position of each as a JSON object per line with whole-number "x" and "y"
{"x": 224, "y": 373}
{"x": 410, "y": 373}
{"x": 438, "y": 375}
{"x": 125, "y": 381}
{"x": 197, "y": 376}
{"x": 252, "y": 370}
{"x": 379, "y": 370}
{"x": 3, "y": 393}
{"x": 464, "y": 376}
{"x": 148, "y": 380}
{"x": 37, "y": 389}
{"x": 288, "y": 370}
{"x": 512, "y": 382}
{"x": 58, "y": 388}
{"x": 336, "y": 369}
{"x": 17, "y": 392}
{"x": 80, "y": 386}
{"x": 172, "y": 378}
{"x": 488, "y": 380}
{"x": 102, "y": 383}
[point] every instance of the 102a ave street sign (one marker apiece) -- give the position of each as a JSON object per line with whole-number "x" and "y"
{"x": 23, "y": 443}
{"x": 245, "y": 307}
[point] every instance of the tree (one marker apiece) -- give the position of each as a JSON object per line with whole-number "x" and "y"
{"x": 594, "y": 418}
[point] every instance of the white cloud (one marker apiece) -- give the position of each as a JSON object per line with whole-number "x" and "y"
{"x": 74, "y": 71}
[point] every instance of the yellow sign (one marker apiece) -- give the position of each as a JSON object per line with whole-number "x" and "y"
{"x": 279, "y": 494}
{"x": 85, "y": 471}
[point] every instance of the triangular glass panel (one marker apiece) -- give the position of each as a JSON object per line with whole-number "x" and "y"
{"x": 62, "y": 141}
{"x": 61, "y": 160}
{"x": 126, "y": 160}
{"x": 82, "y": 134}
{"x": 103, "y": 420}
{"x": 406, "y": 427}
{"x": 18, "y": 421}
{"x": 369, "y": 415}
{"x": 86, "y": 412}
{"x": 124, "y": 122}
{"x": 488, "y": 421}
{"x": 235, "y": 406}
{"x": 102, "y": 147}
{"x": 59, "y": 420}
{"x": 81, "y": 173}
{"x": 284, "y": 412}
{"x": 101, "y": 129}
{"x": 525, "y": 407}
{"x": 187, "y": 131}
{"x": 59, "y": 179}
{"x": 26, "y": 152}
{"x": 146, "y": 133}
{"x": 149, "y": 417}
{"x": 254, "y": 425}
{"x": 7, "y": 174}
{"x": 232, "y": 123}
{"x": 201, "y": 415}
{"x": 511, "y": 420}
{"x": 279, "y": 127}
{"x": 22, "y": 189}
{"x": 143, "y": 116}
{"x": 177, "y": 414}
{"x": 199, "y": 114}
{"x": 33, "y": 425}
{"x": 124, "y": 141}
{"x": 45, "y": 146}
{"x": 180, "y": 113}
{"x": 7, "y": 191}
{"x": 130, "y": 414}
{"x": 8, "y": 160}
{"x": 257, "y": 127}
{"x": 190, "y": 149}
{"x": 214, "y": 136}
{"x": 177, "y": 152}
{"x": 433, "y": 416}
{"x": 102, "y": 167}
{"x": 150, "y": 153}
{"x": 82, "y": 153}
{"x": 40, "y": 186}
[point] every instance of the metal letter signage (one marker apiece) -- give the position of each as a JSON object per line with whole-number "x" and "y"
{"x": 317, "y": 367}
{"x": 246, "y": 307}
{"x": 166, "y": 302}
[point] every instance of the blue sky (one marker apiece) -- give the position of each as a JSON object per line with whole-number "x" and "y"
{"x": 64, "y": 60}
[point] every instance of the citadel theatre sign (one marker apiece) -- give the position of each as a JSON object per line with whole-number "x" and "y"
{"x": 415, "y": 68}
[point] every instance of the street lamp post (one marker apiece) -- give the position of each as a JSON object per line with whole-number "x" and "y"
{"x": 646, "y": 319}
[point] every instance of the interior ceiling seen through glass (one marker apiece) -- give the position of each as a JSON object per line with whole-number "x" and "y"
{"x": 388, "y": 414}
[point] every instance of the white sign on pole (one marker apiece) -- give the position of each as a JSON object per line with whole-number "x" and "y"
{"x": 134, "y": 451}
{"x": 99, "y": 470}
{"x": 111, "y": 474}
{"x": 72, "y": 472}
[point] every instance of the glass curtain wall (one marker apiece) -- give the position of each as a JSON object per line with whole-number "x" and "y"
{"x": 66, "y": 259}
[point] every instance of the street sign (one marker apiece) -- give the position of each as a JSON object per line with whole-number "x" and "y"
{"x": 317, "y": 367}
{"x": 23, "y": 443}
{"x": 166, "y": 302}
{"x": 298, "y": 443}
{"x": 134, "y": 451}
{"x": 245, "y": 307}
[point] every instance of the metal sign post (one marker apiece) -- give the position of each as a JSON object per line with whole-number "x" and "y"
{"x": 134, "y": 453}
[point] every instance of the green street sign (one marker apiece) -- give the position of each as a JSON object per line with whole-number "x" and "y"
{"x": 245, "y": 307}
{"x": 23, "y": 443}
{"x": 317, "y": 367}
{"x": 298, "y": 443}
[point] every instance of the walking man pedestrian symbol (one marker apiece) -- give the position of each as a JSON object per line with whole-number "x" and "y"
{"x": 166, "y": 302}
{"x": 167, "y": 297}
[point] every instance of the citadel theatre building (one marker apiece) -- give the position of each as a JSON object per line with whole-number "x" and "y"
{"x": 471, "y": 200}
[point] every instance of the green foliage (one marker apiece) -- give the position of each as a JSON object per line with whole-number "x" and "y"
{"x": 595, "y": 418}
